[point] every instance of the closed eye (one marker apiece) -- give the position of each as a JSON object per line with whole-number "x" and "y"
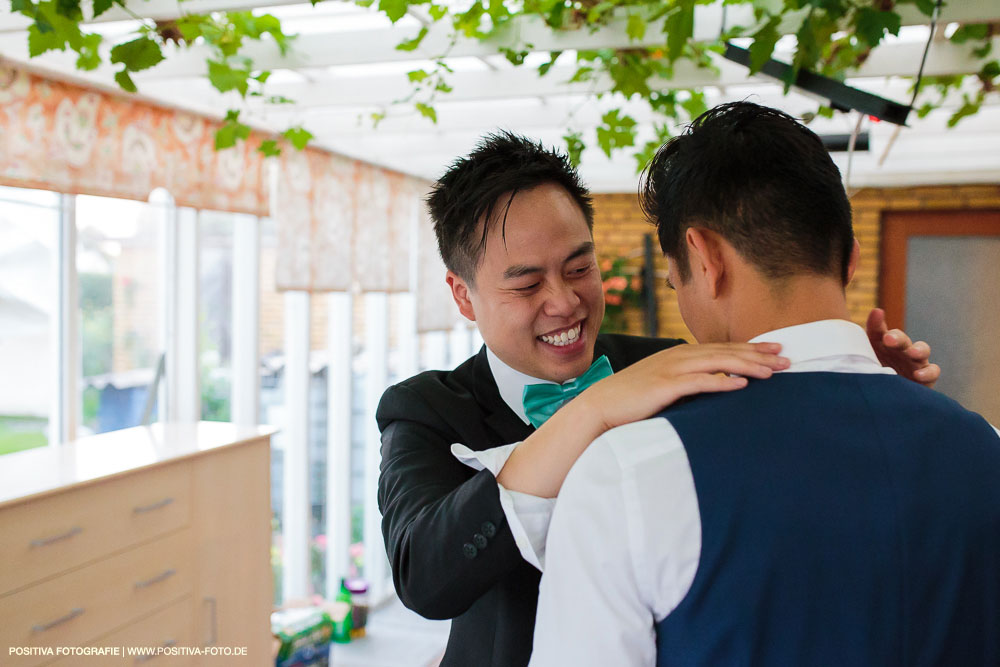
{"x": 526, "y": 288}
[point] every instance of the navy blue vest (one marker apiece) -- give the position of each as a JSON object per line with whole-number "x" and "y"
{"x": 847, "y": 520}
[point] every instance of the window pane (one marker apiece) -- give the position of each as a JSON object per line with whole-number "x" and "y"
{"x": 272, "y": 394}
{"x": 118, "y": 263}
{"x": 215, "y": 298}
{"x": 29, "y": 227}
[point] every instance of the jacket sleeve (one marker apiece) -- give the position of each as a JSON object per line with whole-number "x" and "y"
{"x": 445, "y": 532}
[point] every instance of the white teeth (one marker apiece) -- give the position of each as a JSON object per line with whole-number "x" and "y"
{"x": 563, "y": 338}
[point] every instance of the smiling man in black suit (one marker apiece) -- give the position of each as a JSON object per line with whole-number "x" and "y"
{"x": 472, "y": 458}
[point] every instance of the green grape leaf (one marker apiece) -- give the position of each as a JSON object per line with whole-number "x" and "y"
{"x": 417, "y": 75}
{"x": 636, "y": 27}
{"x": 763, "y": 44}
{"x": 69, "y": 9}
{"x": 574, "y": 147}
{"x": 412, "y": 44}
{"x": 437, "y": 12}
{"x": 990, "y": 71}
{"x": 224, "y": 77}
{"x": 695, "y": 105}
{"x": 269, "y": 148}
{"x": 427, "y": 111}
{"x": 645, "y": 154}
{"x": 125, "y": 81}
{"x": 231, "y": 131}
{"x": 973, "y": 31}
{"x": 90, "y": 57}
{"x": 983, "y": 51}
{"x": 616, "y": 131}
{"x": 394, "y": 9}
{"x": 26, "y": 7}
{"x": 968, "y": 108}
{"x": 39, "y": 42}
{"x": 679, "y": 27}
{"x": 582, "y": 74}
{"x": 137, "y": 55}
{"x": 101, "y": 6}
{"x": 190, "y": 27}
{"x": 298, "y": 136}
{"x": 544, "y": 68}
{"x": 871, "y": 24}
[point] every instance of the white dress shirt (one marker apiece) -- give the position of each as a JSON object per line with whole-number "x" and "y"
{"x": 527, "y": 515}
{"x": 615, "y": 567}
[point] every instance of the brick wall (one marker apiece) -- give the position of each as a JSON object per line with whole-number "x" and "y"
{"x": 619, "y": 227}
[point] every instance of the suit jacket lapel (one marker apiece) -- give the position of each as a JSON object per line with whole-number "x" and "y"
{"x": 497, "y": 414}
{"x": 601, "y": 347}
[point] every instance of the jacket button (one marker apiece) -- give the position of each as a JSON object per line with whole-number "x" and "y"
{"x": 470, "y": 551}
{"x": 479, "y": 541}
{"x": 488, "y": 529}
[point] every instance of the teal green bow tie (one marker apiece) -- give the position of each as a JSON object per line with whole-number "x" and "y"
{"x": 542, "y": 400}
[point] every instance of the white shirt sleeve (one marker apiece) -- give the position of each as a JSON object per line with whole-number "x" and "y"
{"x": 527, "y": 515}
{"x": 590, "y": 608}
{"x": 623, "y": 549}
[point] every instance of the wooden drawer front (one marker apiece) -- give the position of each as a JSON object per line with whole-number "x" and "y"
{"x": 74, "y": 609}
{"x": 56, "y": 533}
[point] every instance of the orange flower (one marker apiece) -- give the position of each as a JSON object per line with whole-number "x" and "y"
{"x": 617, "y": 282}
{"x": 613, "y": 299}
{"x": 606, "y": 265}
{"x": 636, "y": 283}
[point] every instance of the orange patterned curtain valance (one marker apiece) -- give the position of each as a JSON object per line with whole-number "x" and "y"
{"x": 63, "y": 137}
{"x": 341, "y": 222}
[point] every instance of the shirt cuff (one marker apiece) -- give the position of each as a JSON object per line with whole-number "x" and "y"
{"x": 527, "y": 515}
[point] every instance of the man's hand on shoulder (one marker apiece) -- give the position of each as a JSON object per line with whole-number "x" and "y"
{"x": 895, "y": 350}
{"x": 539, "y": 465}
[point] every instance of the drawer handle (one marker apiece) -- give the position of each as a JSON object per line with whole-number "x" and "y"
{"x": 155, "y": 506}
{"x": 146, "y": 658}
{"x": 41, "y": 542}
{"x": 166, "y": 574}
{"x": 59, "y": 621}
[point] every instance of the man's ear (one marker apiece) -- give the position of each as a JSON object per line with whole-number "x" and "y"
{"x": 705, "y": 258}
{"x": 852, "y": 262}
{"x": 460, "y": 293}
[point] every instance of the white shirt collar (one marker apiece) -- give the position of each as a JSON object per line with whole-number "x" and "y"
{"x": 825, "y": 345}
{"x": 511, "y": 384}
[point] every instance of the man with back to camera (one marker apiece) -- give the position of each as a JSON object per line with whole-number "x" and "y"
{"x": 468, "y": 545}
{"x": 834, "y": 514}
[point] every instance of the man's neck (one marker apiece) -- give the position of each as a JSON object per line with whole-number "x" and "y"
{"x": 796, "y": 301}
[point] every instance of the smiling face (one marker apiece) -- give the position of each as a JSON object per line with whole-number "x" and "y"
{"x": 537, "y": 298}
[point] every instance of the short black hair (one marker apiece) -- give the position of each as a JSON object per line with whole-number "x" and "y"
{"x": 761, "y": 180}
{"x": 502, "y": 164}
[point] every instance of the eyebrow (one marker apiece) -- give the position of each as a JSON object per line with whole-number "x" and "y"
{"x": 519, "y": 270}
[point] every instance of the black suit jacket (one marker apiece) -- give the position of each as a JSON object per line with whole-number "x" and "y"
{"x": 449, "y": 544}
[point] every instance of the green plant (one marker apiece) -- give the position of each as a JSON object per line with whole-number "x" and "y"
{"x": 622, "y": 289}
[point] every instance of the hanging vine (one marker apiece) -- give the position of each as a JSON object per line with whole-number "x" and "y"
{"x": 832, "y": 37}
